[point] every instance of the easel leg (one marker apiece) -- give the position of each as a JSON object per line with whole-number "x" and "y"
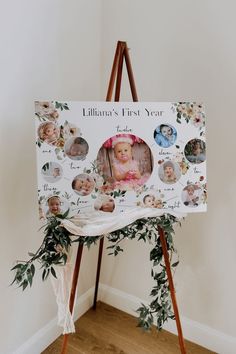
{"x": 116, "y": 74}
{"x": 122, "y": 52}
{"x": 119, "y": 72}
{"x": 113, "y": 72}
{"x": 73, "y": 291}
{"x": 130, "y": 74}
{"x": 98, "y": 272}
{"x": 172, "y": 289}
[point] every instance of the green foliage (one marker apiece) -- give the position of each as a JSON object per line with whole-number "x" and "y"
{"x": 145, "y": 317}
{"x": 53, "y": 251}
{"x": 46, "y": 167}
{"x": 87, "y": 241}
{"x": 24, "y": 274}
{"x": 118, "y": 193}
{"x": 61, "y": 106}
{"x": 160, "y": 308}
{"x": 41, "y": 119}
{"x": 58, "y": 240}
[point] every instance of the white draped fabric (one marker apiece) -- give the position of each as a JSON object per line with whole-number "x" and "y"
{"x": 93, "y": 224}
{"x": 99, "y": 223}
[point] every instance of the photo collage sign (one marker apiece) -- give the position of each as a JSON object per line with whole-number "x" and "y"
{"x": 114, "y": 156}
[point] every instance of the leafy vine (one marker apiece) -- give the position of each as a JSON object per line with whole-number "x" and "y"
{"x": 57, "y": 241}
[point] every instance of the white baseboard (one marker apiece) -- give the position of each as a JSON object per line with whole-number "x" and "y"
{"x": 46, "y": 335}
{"x": 192, "y": 330}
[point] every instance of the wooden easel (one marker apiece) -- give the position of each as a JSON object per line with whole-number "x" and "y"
{"x": 121, "y": 54}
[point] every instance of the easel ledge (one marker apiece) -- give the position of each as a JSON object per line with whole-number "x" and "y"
{"x": 121, "y": 54}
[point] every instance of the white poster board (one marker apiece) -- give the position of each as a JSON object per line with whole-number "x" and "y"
{"x": 113, "y": 156}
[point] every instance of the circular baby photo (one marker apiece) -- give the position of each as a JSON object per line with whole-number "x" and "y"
{"x": 165, "y": 135}
{"x": 192, "y": 195}
{"x": 195, "y": 151}
{"x": 169, "y": 172}
{"x": 151, "y": 201}
{"x": 83, "y": 184}
{"x": 53, "y": 206}
{"x": 49, "y": 133}
{"x": 76, "y": 148}
{"x": 105, "y": 203}
{"x": 125, "y": 162}
{"x": 52, "y": 172}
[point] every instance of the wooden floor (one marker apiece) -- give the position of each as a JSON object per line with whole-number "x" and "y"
{"x": 108, "y": 330}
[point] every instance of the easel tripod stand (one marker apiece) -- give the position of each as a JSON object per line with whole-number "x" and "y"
{"x": 122, "y": 54}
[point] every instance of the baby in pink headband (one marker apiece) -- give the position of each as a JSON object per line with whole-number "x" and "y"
{"x": 125, "y": 168}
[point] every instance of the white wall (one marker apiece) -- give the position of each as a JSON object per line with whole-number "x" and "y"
{"x": 182, "y": 50}
{"x": 49, "y": 49}
{"x": 185, "y": 50}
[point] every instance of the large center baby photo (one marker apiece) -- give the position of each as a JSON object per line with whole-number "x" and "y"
{"x": 109, "y": 157}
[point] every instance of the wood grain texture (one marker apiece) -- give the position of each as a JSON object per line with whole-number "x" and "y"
{"x": 108, "y": 330}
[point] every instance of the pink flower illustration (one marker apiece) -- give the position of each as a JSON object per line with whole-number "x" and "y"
{"x": 198, "y": 120}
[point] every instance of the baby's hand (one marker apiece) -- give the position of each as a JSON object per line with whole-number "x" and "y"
{"x": 130, "y": 174}
{"x": 133, "y": 174}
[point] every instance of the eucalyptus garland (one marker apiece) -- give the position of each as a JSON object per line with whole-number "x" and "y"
{"x": 57, "y": 242}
